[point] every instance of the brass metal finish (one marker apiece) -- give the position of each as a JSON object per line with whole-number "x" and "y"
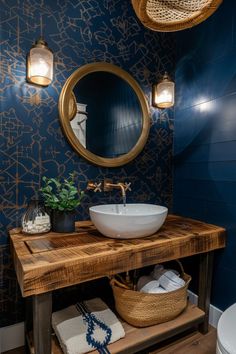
{"x": 94, "y": 186}
{"x": 41, "y": 43}
{"x": 124, "y": 187}
{"x": 72, "y": 106}
{"x": 65, "y": 114}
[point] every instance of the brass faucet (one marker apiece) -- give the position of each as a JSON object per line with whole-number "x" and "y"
{"x": 94, "y": 186}
{"x": 124, "y": 187}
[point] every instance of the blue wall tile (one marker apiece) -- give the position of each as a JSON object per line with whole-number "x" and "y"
{"x": 223, "y": 285}
{"x": 205, "y": 64}
{"x": 205, "y": 136}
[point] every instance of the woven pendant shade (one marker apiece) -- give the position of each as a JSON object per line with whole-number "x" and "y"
{"x": 173, "y": 15}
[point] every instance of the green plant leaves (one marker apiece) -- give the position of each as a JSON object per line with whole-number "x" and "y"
{"x": 61, "y": 194}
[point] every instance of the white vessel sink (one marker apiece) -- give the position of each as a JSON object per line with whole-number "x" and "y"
{"x": 131, "y": 221}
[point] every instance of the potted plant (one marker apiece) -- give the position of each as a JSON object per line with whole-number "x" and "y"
{"x": 61, "y": 197}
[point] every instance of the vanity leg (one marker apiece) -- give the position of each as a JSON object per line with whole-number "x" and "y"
{"x": 42, "y": 313}
{"x": 28, "y": 322}
{"x": 204, "y": 291}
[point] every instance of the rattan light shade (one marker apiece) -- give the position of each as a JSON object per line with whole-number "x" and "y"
{"x": 173, "y": 15}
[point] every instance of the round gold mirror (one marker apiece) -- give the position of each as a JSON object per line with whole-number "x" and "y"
{"x": 72, "y": 106}
{"x": 104, "y": 114}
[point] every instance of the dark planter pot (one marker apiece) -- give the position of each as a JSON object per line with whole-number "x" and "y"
{"x": 63, "y": 221}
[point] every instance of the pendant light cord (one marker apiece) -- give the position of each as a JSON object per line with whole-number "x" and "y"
{"x": 41, "y": 26}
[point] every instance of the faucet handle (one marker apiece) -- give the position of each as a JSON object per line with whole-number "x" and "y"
{"x": 127, "y": 186}
{"x": 96, "y": 187}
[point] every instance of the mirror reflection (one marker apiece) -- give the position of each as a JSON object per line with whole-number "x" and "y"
{"x": 107, "y": 117}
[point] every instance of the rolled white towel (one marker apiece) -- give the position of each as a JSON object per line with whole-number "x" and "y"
{"x": 170, "y": 281}
{"x": 151, "y": 287}
{"x": 72, "y": 326}
{"x": 171, "y": 274}
{"x": 158, "y": 290}
{"x": 143, "y": 280}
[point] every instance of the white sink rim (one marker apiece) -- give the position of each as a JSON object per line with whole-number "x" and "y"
{"x": 159, "y": 209}
{"x": 140, "y": 219}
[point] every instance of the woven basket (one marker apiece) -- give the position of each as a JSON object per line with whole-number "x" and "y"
{"x": 142, "y": 310}
{"x": 173, "y": 15}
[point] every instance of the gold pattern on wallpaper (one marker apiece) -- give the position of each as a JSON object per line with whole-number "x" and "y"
{"x": 31, "y": 140}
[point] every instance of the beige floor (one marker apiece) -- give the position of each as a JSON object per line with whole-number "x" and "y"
{"x": 194, "y": 343}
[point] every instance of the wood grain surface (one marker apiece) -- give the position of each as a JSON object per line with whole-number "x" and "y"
{"x": 137, "y": 339}
{"x": 193, "y": 343}
{"x": 52, "y": 261}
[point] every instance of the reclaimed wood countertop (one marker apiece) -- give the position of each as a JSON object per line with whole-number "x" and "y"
{"x": 52, "y": 261}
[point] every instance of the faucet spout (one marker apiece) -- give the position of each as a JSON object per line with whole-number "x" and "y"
{"x": 123, "y": 191}
{"x": 108, "y": 186}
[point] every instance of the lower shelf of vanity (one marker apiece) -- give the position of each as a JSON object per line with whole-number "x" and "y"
{"x": 137, "y": 339}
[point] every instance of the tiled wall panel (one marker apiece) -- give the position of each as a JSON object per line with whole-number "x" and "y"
{"x": 205, "y": 136}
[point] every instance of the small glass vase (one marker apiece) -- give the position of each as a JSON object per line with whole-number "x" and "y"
{"x": 35, "y": 220}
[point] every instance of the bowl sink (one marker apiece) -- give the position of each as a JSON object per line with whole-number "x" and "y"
{"x": 130, "y": 221}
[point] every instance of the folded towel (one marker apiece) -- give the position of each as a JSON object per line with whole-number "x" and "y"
{"x": 170, "y": 281}
{"x": 86, "y": 326}
{"x": 145, "y": 279}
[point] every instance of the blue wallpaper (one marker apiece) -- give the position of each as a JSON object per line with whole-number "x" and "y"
{"x": 31, "y": 141}
{"x": 205, "y": 136}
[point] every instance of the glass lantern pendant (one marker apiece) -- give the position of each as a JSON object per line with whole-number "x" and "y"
{"x": 163, "y": 93}
{"x": 40, "y": 64}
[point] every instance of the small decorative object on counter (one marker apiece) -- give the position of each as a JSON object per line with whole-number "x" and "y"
{"x": 35, "y": 220}
{"x": 62, "y": 197}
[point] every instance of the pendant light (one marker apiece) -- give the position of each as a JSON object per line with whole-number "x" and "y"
{"x": 40, "y": 63}
{"x": 163, "y": 93}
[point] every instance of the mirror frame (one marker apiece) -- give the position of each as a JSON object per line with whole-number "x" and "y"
{"x": 66, "y": 111}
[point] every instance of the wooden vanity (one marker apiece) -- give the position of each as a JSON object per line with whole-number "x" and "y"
{"x": 53, "y": 261}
